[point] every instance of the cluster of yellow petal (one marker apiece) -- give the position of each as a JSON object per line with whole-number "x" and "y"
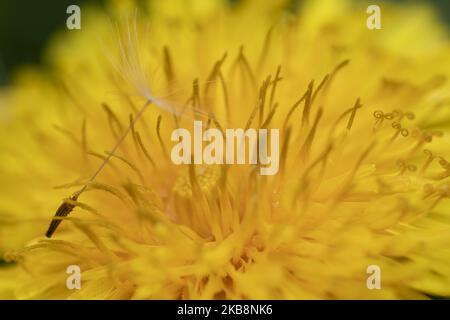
{"x": 364, "y": 126}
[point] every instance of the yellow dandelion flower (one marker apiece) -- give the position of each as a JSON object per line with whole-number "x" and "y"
{"x": 363, "y": 175}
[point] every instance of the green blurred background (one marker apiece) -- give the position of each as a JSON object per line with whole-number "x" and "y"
{"x": 26, "y": 25}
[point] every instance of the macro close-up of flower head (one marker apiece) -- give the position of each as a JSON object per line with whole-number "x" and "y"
{"x": 239, "y": 150}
